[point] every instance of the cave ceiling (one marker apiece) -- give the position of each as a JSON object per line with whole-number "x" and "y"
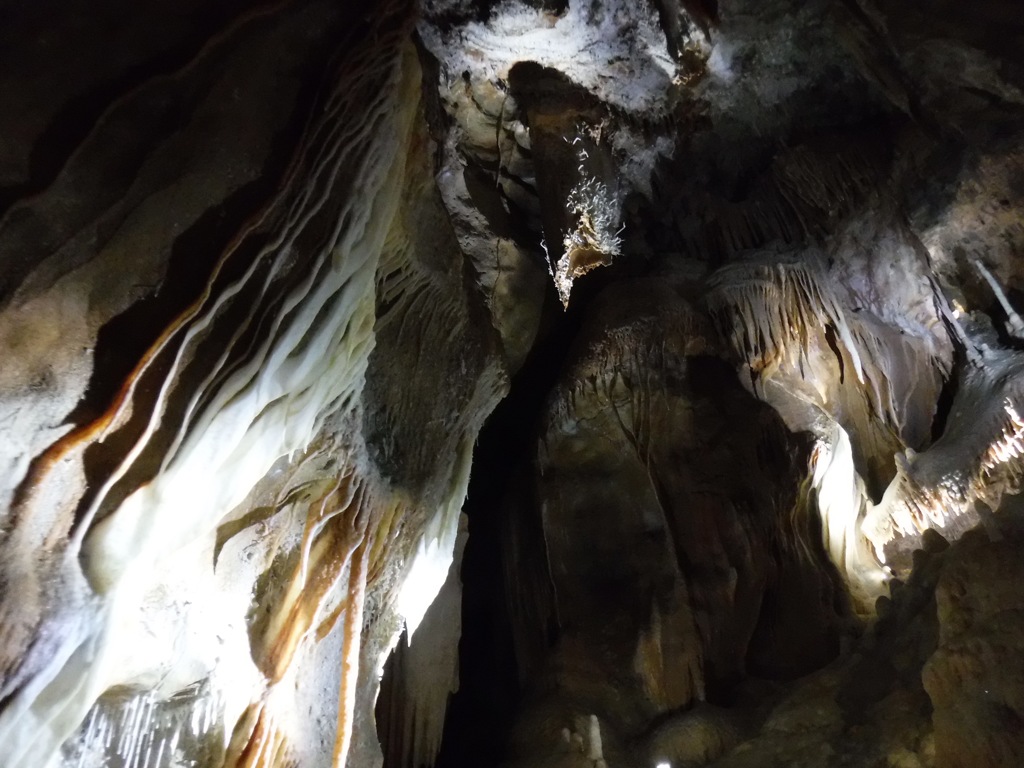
{"x": 534, "y": 384}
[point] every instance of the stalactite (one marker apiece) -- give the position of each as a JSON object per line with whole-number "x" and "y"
{"x": 309, "y": 290}
{"x": 977, "y": 458}
{"x": 771, "y": 304}
{"x": 778, "y": 310}
{"x": 214, "y": 541}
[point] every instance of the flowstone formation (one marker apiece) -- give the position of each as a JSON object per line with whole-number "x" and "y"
{"x": 704, "y": 312}
{"x": 207, "y": 561}
{"x": 740, "y": 205}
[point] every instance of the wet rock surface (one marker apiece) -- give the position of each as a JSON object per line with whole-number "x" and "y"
{"x": 705, "y": 311}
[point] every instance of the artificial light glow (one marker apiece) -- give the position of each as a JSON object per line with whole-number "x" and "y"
{"x": 434, "y": 552}
{"x": 428, "y": 572}
{"x": 163, "y": 618}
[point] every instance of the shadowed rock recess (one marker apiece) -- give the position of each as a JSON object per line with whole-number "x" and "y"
{"x": 519, "y": 384}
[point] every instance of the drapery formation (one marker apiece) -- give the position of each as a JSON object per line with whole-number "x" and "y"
{"x": 243, "y": 507}
{"x": 746, "y": 271}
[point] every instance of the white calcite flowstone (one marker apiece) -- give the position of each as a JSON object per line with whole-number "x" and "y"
{"x": 749, "y": 272}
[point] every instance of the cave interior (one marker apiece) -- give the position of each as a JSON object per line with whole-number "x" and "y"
{"x": 511, "y": 384}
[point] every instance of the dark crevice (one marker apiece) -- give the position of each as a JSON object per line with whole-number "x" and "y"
{"x": 479, "y": 715}
{"x": 669, "y": 18}
{"x": 830, "y": 339}
{"x": 944, "y": 405}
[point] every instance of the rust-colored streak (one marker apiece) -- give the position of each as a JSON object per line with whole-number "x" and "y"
{"x": 342, "y": 531}
{"x": 350, "y": 654}
{"x": 217, "y": 39}
{"x": 265, "y": 746}
{"x": 328, "y": 557}
{"x": 85, "y": 434}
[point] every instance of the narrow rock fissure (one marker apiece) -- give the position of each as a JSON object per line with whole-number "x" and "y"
{"x": 480, "y": 714}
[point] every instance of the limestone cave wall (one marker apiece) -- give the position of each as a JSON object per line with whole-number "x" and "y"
{"x": 524, "y": 383}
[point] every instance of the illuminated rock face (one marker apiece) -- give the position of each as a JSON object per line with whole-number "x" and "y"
{"x": 263, "y": 492}
{"x": 741, "y": 276}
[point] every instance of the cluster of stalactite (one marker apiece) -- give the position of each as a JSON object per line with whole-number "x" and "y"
{"x": 247, "y": 509}
{"x": 256, "y": 310}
